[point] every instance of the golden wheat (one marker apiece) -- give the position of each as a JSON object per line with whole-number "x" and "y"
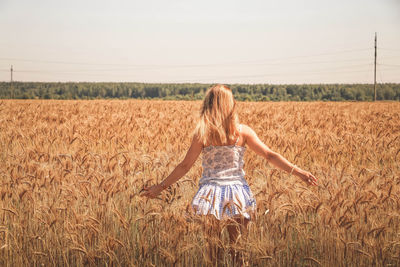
{"x": 71, "y": 173}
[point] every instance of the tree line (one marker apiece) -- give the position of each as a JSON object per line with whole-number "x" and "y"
{"x": 196, "y": 91}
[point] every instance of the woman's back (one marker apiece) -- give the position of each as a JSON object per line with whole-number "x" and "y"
{"x": 223, "y": 165}
{"x": 223, "y": 188}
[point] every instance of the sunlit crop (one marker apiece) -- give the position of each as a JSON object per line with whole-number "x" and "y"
{"x": 71, "y": 173}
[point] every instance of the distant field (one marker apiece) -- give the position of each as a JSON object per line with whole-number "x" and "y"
{"x": 71, "y": 171}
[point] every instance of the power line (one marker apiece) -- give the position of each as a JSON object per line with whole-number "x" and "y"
{"x": 320, "y": 54}
{"x": 344, "y": 69}
{"x": 268, "y": 75}
{"x": 389, "y": 49}
{"x": 354, "y": 68}
{"x": 348, "y": 67}
{"x": 390, "y": 58}
{"x": 391, "y": 69}
{"x": 95, "y": 70}
{"x": 390, "y": 65}
{"x": 183, "y": 65}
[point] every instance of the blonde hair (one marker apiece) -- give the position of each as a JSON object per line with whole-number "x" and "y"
{"x": 218, "y": 124}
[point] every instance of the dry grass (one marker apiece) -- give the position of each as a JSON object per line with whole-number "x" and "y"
{"x": 71, "y": 171}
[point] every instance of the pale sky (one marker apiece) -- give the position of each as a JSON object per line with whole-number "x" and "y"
{"x": 279, "y": 42}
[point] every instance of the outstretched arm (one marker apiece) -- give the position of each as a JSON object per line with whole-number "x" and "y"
{"x": 180, "y": 170}
{"x": 275, "y": 158}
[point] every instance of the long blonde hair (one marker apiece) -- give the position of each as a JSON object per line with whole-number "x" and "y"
{"x": 218, "y": 124}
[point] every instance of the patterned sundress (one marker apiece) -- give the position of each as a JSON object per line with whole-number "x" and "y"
{"x": 223, "y": 191}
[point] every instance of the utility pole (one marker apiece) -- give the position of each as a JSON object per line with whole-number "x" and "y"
{"x": 375, "y": 72}
{"x": 11, "y": 83}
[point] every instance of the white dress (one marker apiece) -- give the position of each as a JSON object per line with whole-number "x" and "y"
{"x": 223, "y": 191}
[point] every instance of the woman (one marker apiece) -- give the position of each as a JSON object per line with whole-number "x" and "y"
{"x": 223, "y": 190}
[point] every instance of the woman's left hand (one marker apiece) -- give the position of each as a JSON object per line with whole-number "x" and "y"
{"x": 152, "y": 191}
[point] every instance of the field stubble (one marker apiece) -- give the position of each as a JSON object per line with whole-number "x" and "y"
{"x": 71, "y": 172}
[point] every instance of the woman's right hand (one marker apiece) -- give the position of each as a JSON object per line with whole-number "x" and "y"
{"x": 307, "y": 177}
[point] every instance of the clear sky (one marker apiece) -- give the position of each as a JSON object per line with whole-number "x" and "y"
{"x": 235, "y": 41}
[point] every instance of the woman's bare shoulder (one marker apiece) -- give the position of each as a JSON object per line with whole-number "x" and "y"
{"x": 246, "y": 130}
{"x": 247, "y": 133}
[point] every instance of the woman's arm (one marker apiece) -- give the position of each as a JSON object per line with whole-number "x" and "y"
{"x": 179, "y": 171}
{"x": 276, "y": 159}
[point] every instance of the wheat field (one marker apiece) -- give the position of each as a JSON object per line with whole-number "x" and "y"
{"x": 71, "y": 173}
